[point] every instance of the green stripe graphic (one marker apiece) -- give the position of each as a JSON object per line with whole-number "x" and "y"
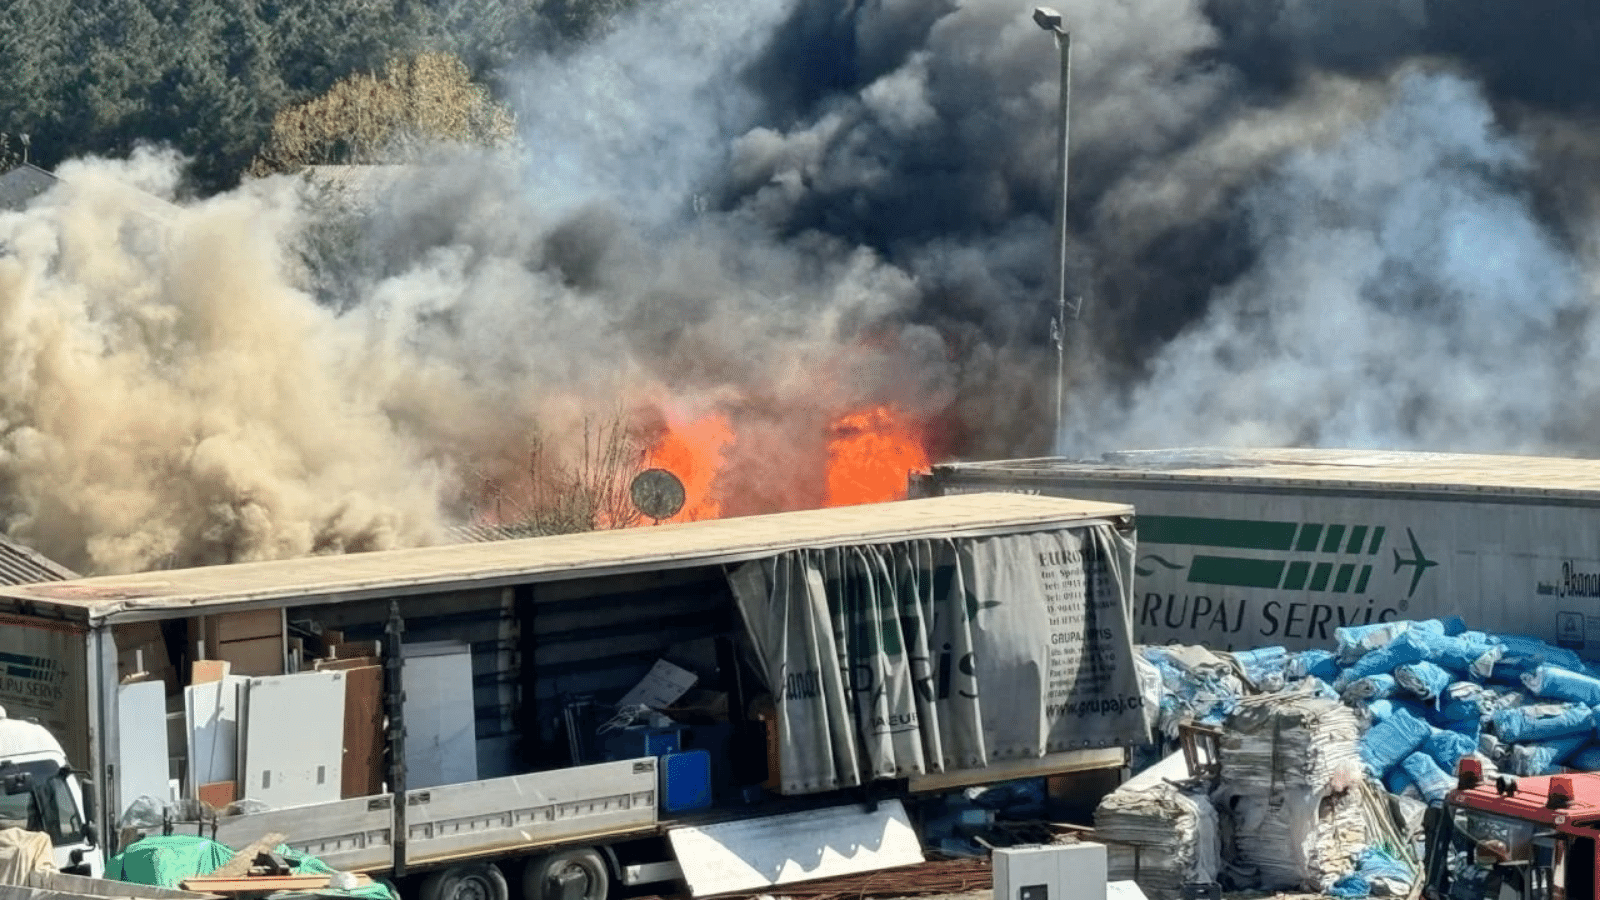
{"x": 1233, "y": 572}
{"x": 1239, "y": 534}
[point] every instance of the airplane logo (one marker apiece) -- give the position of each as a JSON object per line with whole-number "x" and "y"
{"x": 1420, "y": 562}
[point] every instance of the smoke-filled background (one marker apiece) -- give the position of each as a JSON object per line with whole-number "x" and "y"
{"x": 1291, "y": 223}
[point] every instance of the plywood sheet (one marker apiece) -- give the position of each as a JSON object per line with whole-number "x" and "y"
{"x": 211, "y": 710}
{"x": 441, "y": 737}
{"x": 206, "y": 670}
{"x": 363, "y": 732}
{"x": 141, "y": 742}
{"x": 748, "y": 854}
{"x": 293, "y": 739}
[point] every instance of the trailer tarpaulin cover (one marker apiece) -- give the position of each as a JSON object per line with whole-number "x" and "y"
{"x": 892, "y": 660}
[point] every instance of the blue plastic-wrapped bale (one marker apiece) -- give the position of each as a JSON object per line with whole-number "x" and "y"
{"x": 1350, "y": 887}
{"x": 1356, "y": 641}
{"x": 1372, "y": 687}
{"x": 1383, "y": 660}
{"x": 1585, "y": 758}
{"x": 1376, "y": 872}
{"x": 1542, "y": 722}
{"x": 1432, "y": 782}
{"x": 1396, "y": 781}
{"x": 1524, "y": 654}
{"x": 1491, "y": 747}
{"x": 1447, "y": 748}
{"x": 1263, "y": 667}
{"x": 1461, "y": 701}
{"x": 1313, "y": 664}
{"x": 1470, "y": 728}
{"x": 1425, "y": 679}
{"x": 1392, "y": 740}
{"x": 1383, "y": 709}
{"x": 1544, "y": 757}
{"x": 1555, "y": 683}
{"x": 1470, "y": 654}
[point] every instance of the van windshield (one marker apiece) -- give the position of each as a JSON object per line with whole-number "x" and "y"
{"x": 48, "y": 806}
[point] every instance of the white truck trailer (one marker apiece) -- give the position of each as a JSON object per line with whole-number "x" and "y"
{"x": 440, "y": 715}
{"x": 1248, "y": 548}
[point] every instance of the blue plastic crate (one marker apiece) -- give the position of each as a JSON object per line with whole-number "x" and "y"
{"x": 685, "y": 781}
{"x": 632, "y": 743}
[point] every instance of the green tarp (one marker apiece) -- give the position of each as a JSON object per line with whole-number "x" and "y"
{"x": 166, "y": 860}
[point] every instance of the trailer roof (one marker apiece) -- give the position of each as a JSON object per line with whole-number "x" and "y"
{"x": 396, "y": 573}
{"x": 1386, "y": 470}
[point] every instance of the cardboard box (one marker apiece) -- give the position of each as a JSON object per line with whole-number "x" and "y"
{"x": 242, "y": 626}
{"x": 259, "y": 656}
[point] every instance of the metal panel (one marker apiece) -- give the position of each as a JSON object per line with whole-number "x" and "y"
{"x": 441, "y": 743}
{"x": 541, "y": 807}
{"x": 362, "y": 576}
{"x": 211, "y": 710}
{"x": 352, "y": 835}
{"x": 747, "y": 854}
{"x": 142, "y": 742}
{"x": 293, "y": 739}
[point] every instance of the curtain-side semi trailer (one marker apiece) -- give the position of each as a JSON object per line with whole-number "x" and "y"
{"x": 1251, "y": 548}
{"x": 582, "y": 710}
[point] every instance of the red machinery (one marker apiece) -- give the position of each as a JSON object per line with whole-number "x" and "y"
{"x": 1514, "y": 838}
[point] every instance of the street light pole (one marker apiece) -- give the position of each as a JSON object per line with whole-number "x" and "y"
{"x": 1052, "y": 21}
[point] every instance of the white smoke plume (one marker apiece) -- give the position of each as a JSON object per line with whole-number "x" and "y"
{"x": 1405, "y": 295}
{"x": 1285, "y": 229}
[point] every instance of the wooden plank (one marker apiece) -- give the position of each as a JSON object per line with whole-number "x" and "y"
{"x": 77, "y": 887}
{"x": 335, "y": 665}
{"x": 239, "y": 865}
{"x": 363, "y": 732}
{"x": 343, "y": 650}
{"x": 263, "y": 884}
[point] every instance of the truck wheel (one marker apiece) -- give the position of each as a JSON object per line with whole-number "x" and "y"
{"x": 579, "y": 874}
{"x": 467, "y": 881}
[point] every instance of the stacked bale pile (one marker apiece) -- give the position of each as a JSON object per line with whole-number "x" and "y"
{"x": 1289, "y": 772}
{"x": 1160, "y": 831}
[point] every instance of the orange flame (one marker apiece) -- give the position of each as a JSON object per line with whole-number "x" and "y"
{"x": 695, "y": 452}
{"x": 870, "y": 454}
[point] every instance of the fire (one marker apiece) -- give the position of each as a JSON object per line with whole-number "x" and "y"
{"x": 870, "y": 453}
{"x": 695, "y": 451}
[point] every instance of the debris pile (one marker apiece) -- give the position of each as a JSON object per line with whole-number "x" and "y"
{"x": 1310, "y": 739}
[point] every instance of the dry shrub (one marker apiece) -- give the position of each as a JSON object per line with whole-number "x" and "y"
{"x": 386, "y": 118}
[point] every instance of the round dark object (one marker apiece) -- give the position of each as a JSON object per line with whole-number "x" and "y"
{"x": 657, "y": 493}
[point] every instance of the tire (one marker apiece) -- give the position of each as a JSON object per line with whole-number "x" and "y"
{"x": 467, "y": 881}
{"x": 540, "y": 872}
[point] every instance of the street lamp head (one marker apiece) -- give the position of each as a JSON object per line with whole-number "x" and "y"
{"x": 1049, "y": 19}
